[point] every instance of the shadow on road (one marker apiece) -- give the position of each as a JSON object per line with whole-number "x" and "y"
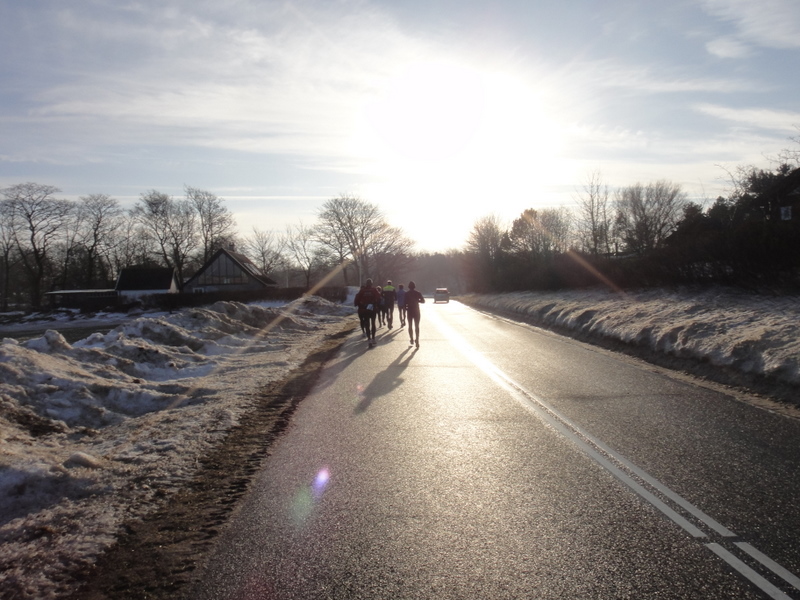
{"x": 386, "y": 381}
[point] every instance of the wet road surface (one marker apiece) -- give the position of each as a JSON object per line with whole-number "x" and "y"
{"x": 500, "y": 461}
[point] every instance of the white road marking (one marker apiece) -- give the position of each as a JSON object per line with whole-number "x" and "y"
{"x": 756, "y": 579}
{"x": 596, "y": 450}
{"x": 765, "y": 560}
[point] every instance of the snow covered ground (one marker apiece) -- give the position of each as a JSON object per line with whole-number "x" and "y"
{"x": 93, "y": 433}
{"x": 748, "y": 333}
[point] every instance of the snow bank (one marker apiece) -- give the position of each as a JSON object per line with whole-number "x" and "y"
{"x": 753, "y": 334}
{"x": 91, "y": 433}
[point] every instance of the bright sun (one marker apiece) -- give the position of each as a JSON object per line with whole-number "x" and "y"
{"x": 445, "y": 134}
{"x": 429, "y": 111}
{"x": 447, "y": 115}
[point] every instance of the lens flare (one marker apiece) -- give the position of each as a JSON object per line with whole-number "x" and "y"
{"x": 320, "y": 482}
{"x": 302, "y": 505}
{"x": 306, "y": 498}
{"x": 360, "y": 392}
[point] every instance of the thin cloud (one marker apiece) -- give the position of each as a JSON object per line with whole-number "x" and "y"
{"x": 646, "y": 79}
{"x": 188, "y": 77}
{"x": 727, "y": 47}
{"x": 768, "y": 23}
{"x": 760, "y": 118}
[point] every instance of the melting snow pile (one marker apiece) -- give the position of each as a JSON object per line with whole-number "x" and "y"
{"x": 754, "y": 334}
{"x": 91, "y": 432}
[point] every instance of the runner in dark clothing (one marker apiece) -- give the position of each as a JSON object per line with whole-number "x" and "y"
{"x": 367, "y": 300}
{"x": 389, "y": 296}
{"x": 363, "y": 319}
{"x": 379, "y": 310}
{"x": 401, "y": 304}
{"x": 413, "y": 300}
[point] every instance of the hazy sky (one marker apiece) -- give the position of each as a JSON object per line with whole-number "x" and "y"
{"x": 439, "y": 111}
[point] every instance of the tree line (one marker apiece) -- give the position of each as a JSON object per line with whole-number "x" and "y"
{"x": 48, "y": 243}
{"x": 646, "y": 235}
{"x": 637, "y": 235}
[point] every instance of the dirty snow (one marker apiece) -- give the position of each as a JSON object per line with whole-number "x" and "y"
{"x": 94, "y": 432}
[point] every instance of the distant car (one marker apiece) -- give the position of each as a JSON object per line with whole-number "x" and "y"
{"x": 441, "y": 295}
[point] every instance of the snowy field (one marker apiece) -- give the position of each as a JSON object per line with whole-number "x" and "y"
{"x": 93, "y": 433}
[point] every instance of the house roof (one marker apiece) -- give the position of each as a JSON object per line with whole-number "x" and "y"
{"x": 145, "y": 278}
{"x": 242, "y": 261}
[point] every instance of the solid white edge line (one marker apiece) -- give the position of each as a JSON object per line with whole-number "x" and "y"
{"x": 765, "y": 560}
{"x": 756, "y": 579}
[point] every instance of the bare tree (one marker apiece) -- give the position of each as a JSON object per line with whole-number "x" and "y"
{"x": 390, "y": 253}
{"x": 347, "y": 226}
{"x": 69, "y": 246}
{"x": 153, "y": 213}
{"x": 102, "y": 221}
{"x": 486, "y": 237}
{"x": 183, "y": 236}
{"x": 36, "y": 217}
{"x": 558, "y": 222}
{"x": 131, "y": 248}
{"x": 171, "y": 224}
{"x": 647, "y": 215}
{"x": 303, "y": 249}
{"x": 790, "y": 155}
{"x": 540, "y": 234}
{"x": 266, "y": 248}
{"x": 216, "y": 224}
{"x": 527, "y": 238}
{"x": 594, "y": 216}
{"x": 6, "y": 251}
{"x": 330, "y": 232}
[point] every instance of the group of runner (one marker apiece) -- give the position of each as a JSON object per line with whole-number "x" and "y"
{"x": 376, "y": 303}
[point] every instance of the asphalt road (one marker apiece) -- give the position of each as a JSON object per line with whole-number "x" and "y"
{"x": 500, "y": 461}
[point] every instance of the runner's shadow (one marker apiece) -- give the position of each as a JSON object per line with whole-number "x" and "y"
{"x": 393, "y": 333}
{"x": 352, "y": 350}
{"x": 386, "y": 381}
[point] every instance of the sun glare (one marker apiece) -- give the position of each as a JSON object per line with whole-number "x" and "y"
{"x": 430, "y": 111}
{"x": 448, "y": 116}
{"x": 440, "y": 134}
